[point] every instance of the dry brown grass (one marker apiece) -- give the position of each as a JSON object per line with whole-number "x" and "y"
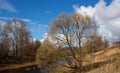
{"x": 105, "y": 61}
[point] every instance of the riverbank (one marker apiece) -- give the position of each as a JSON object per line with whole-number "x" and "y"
{"x": 16, "y": 66}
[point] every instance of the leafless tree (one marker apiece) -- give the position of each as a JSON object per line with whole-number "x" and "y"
{"x": 72, "y": 31}
{"x": 18, "y": 34}
{"x": 14, "y": 36}
{"x": 4, "y": 40}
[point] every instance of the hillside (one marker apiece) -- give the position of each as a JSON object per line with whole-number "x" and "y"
{"x": 105, "y": 61}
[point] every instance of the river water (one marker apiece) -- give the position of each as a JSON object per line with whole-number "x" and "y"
{"x": 32, "y": 69}
{"x": 35, "y": 69}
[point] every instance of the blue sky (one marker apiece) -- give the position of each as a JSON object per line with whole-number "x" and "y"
{"x": 38, "y": 14}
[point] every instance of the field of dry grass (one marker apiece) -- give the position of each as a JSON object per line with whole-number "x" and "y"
{"x": 112, "y": 59}
{"x": 105, "y": 61}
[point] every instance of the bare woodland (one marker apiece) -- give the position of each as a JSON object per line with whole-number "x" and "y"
{"x": 16, "y": 41}
{"x": 72, "y": 45}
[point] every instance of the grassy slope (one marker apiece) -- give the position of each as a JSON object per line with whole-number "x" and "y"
{"x": 103, "y": 59}
{"x": 113, "y": 66}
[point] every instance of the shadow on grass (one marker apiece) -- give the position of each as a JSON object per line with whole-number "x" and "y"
{"x": 94, "y": 66}
{"x": 91, "y": 67}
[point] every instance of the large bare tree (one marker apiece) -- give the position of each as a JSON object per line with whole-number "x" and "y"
{"x": 72, "y": 31}
{"x": 19, "y": 35}
{"x": 14, "y": 36}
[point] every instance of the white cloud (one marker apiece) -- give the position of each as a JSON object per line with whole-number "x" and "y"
{"x": 12, "y": 18}
{"x": 106, "y": 16}
{"x": 85, "y": 10}
{"x": 44, "y": 37}
{"x": 2, "y": 22}
{"x": 26, "y": 20}
{"x": 5, "y": 5}
{"x": 6, "y": 18}
{"x": 47, "y": 12}
{"x": 35, "y": 29}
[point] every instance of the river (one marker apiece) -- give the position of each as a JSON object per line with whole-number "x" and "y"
{"x": 32, "y": 69}
{"x": 35, "y": 69}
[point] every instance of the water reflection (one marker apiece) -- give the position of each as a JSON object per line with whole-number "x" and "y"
{"x": 32, "y": 69}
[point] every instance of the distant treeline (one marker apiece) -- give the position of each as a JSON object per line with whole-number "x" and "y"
{"x": 16, "y": 40}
